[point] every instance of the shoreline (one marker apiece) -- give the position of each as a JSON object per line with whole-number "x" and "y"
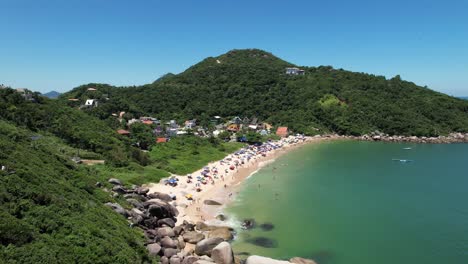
{"x": 225, "y": 187}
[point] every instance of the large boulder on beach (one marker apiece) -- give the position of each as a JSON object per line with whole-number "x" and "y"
{"x": 164, "y": 260}
{"x": 117, "y": 208}
{"x": 167, "y": 222}
{"x": 264, "y": 260}
{"x": 205, "y": 246}
{"x": 142, "y": 190}
{"x": 161, "y": 196}
{"x": 189, "y": 260}
{"x": 178, "y": 230}
{"x": 169, "y": 252}
{"x": 167, "y": 242}
{"x": 175, "y": 260}
{"x": 161, "y": 209}
{"x": 221, "y": 232}
{"x": 222, "y": 253}
{"x": 119, "y": 189}
{"x": 212, "y": 202}
{"x": 115, "y": 181}
{"x": 298, "y": 260}
{"x": 165, "y": 231}
{"x": 153, "y": 249}
{"x": 193, "y": 237}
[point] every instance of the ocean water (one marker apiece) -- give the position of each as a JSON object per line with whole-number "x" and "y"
{"x": 350, "y": 202}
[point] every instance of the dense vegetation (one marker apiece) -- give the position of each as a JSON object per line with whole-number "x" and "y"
{"x": 254, "y": 83}
{"x": 52, "y": 212}
{"x": 184, "y": 155}
{"x": 51, "y": 209}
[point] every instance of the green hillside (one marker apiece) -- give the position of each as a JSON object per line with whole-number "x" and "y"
{"x": 254, "y": 83}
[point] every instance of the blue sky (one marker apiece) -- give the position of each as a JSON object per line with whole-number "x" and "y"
{"x": 57, "y": 45}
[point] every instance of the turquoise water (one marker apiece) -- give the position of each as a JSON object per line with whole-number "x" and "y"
{"x": 348, "y": 202}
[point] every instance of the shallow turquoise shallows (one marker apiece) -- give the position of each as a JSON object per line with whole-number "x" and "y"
{"x": 350, "y": 202}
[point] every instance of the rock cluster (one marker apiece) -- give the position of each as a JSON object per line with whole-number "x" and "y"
{"x": 185, "y": 243}
{"x": 451, "y": 138}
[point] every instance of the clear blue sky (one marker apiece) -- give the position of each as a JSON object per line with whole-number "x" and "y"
{"x": 57, "y": 44}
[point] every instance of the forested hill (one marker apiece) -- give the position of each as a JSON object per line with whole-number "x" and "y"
{"x": 254, "y": 83}
{"x": 51, "y": 209}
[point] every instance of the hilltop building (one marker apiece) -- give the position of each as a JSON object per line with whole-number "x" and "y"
{"x": 294, "y": 71}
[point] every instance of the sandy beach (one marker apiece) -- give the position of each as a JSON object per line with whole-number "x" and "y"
{"x": 223, "y": 178}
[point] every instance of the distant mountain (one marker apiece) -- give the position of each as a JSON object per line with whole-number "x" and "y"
{"x": 52, "y": 94}
{"x": 254, "y": 83}
{"x": 464, "y": 97}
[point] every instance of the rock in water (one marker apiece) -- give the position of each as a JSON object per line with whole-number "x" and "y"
{"x": 222, "y": 254}
{"x": 263, "y": 242}
{"x": 153, "y": 249}
{"x": 222, "y": 232}
{"x": 193, "y": 237}
{"x": 264, "y": 260}
{"x": 205, "y": 246}
{"x": 267, "y": 226}
{"x": 298, "y": 260}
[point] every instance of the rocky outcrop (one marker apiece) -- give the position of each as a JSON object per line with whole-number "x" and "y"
{"x": 378, "y": 136}
{"x": 264, "y": 260}
{"x": 222, "y": 254}
{"x": 193, "y": 237}
{"x": 222, "y": 232}
{"x": 205, "y": 246}
{"x": 298, "y": 260}
{"x": 185, "y": 243}
{"x": 153, "y": 249}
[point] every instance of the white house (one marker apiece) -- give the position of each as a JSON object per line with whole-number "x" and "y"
{"x": 294, "y": 71}
{"x": 91, "y": 103}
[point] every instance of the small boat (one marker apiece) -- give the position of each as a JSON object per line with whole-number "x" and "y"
{"x": 402, "y": 160}
{"x": 407, "y": 148}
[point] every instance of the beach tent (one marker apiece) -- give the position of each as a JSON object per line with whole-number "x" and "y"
{"x": 189, "y": 196}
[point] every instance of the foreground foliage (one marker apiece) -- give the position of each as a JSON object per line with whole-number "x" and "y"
{"x": 51, "y": 211}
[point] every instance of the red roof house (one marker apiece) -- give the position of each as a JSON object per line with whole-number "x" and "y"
{"x": 161, "y": 140}
{"x": 123, "y": 132}
{"x": 282, "y": 131}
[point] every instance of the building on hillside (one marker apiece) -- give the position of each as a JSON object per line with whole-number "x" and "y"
{"x": 282, "y": 132}
{"x": 253, "y": 127}
{"x": 216, "y": 120}
{"x": 246, "y": 121}
{"x": 161, "y": 140}
{"x": 25, "y": 93}
{"x": 73, "y": 99}
{"x": 123, "y": 132}
{"x": 147, "y": 122}
{"x": 133, "y": 121}
{"x": 91, "y": 89}
{"x": 254, "y": 121}
{"x": 190, "y": 124}
{"x": 294, "y": 71}
{"x": 263, "y": 132}
{"x": 91, "y": 103}
{"x": 158, "y": 131}
{"x": 233, "y": 128}
{"x": 236, "y": 120}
